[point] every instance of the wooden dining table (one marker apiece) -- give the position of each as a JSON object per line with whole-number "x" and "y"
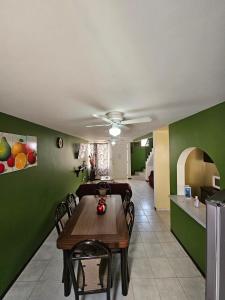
{"x": 110, "y": 228}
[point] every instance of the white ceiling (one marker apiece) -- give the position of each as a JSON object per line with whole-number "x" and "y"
{"x": 62, "y": 61}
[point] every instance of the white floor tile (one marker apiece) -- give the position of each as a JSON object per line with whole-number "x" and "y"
{"x": 33, "y": 270}
{"x": 150, "y": 212}
{"x": 46, "y": 251}
{"x": 139, "y": 219}
{"x": 165, "y": 237}
{"x": 145, "y": 289}
{"x": 161, "y": 268}
{"x": 139, "y": 212}
{"x": 154, "y": 250}
{"x": 173, "y": 250}
{"x": 194, "y": 288}
{"x": 137, "y": 251}
{"x": 143, "y": 227}
{"x": 136, "y": 237}
{"x": 140, "y": 268}
{"x": 49, "y": 290}
{"x": 170, "y": 289}
{"x": 149, "y": 237}
{"x": 53, "y": 271}
{"x": 184, "y": 267}
{"x": 20, "y": 291}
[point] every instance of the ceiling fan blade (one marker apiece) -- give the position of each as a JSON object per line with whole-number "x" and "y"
{"x": 124, "y": 126}
{"x": 135, "y": 121}
{"x": 102, "y": 118}
{"x": 98, "y": 125}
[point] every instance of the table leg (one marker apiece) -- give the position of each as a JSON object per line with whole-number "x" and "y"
{"x": 66, "y": 275}
{"x": 124, "y": 271}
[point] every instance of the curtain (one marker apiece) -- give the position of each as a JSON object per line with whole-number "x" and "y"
{"x": 83, "y": 151}
{"x": 99, "y": 153}
{"x": 102, "y": 160}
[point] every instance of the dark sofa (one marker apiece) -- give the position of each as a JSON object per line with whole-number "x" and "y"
{"x": 116, "y": 189}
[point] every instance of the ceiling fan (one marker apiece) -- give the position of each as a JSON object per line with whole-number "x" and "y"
{"x": 115, "y": 119}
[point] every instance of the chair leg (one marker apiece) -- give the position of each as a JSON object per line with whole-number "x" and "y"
{"x": 128, "y": 273}
{"x": 111, "y": 282}
{"x": 76, "y": 296}
{"x": 66, "y": 274}
{"x": 63, "y": 276}
{"x": 108, "y": 294}
{"x": 124, "y": 272}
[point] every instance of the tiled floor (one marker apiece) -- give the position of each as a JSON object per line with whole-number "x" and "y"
{"x": 160, "y": 269}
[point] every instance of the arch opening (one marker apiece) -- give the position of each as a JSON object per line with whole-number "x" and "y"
{"x": 196, "y": 169}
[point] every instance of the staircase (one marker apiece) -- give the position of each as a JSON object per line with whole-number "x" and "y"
{"x": 144, "y": 174}
{"x": 149, "y": 165}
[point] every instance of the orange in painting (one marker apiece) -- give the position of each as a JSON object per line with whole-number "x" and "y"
{"x": 20, "y": 161}
{"x": 18, "y": 148}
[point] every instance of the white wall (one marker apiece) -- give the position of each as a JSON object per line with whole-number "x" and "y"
{"x": 120, "y": 160}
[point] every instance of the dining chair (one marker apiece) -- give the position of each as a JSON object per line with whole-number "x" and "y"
{"x": 71, "y": 204}
{"x": 103, "y": 188}
{"x": 130, "y": 214}
{"x": 126, "y": 201}
{"x": 93, "y": 273}
{"x": 61, "y": 216}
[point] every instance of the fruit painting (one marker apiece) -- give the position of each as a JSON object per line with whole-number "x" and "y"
{"x": 17, "y": 152}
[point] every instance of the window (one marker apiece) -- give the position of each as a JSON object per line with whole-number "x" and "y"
{"x": 144, "y": 142}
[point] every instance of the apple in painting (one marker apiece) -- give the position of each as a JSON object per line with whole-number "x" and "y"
{"x": 11, "y": 161}
{"x": 2, "y": 168}
{"x": 31, "y": 157}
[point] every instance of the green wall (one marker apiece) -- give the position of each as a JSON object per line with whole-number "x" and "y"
{"x": 28, "y": 197}
{"x": 205, "y": 130}
{"x": 191, "y": 235}
{"x": 138, "y": 156}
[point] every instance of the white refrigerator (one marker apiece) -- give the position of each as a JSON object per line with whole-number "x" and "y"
{"x": 215, "y": 225}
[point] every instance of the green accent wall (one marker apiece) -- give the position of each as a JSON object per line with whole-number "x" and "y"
{"x": 204, "y": 130}
{"x": 28, "y": 198}
{"x": 139, "y": 155}
{"x": 190, "y": 234}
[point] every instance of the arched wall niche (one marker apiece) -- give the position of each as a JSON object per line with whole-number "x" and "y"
{"x": 181, "y": 170}
{"x": 193, "y": 170}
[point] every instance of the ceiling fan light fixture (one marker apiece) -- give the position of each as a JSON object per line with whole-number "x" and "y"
{"x": 114, "y": 130}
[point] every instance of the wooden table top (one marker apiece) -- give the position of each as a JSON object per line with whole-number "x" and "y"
{"x": 85, "y": 223}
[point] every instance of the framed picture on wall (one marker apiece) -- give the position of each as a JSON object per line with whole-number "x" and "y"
{"x": 187, "y": 191}
{"x": 17, "y": 152}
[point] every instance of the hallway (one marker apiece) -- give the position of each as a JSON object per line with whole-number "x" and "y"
{"x": 159, "y": 267}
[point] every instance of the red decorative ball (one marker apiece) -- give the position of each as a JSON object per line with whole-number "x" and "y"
{"x": 101, "y": 209}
